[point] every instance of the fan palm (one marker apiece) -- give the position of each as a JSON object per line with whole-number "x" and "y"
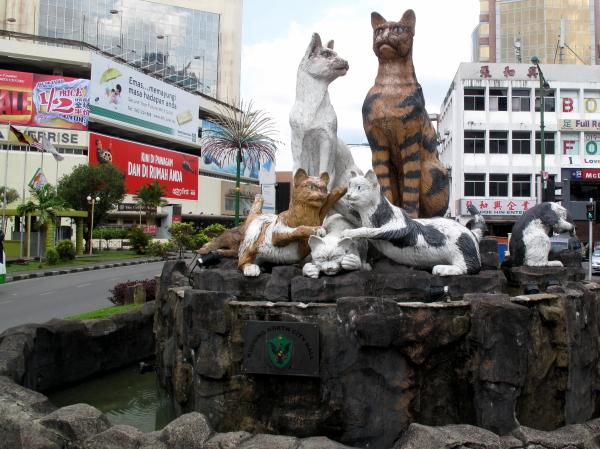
{"x": 241, "y": 132}
{"x": 46, "y": 203}
{"x": 150, "y": 196}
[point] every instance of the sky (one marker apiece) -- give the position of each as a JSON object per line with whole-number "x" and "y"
{"x": 275, "y": 36}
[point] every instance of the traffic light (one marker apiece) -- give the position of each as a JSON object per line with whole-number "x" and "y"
{"x": 549, "y": 193}
{"x": 590, "y": 211}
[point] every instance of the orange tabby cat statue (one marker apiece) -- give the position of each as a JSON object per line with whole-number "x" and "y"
{"x": 283, "y": 238}
{"x": 402, "y": 139}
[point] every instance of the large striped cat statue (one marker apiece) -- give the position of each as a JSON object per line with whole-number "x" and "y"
{"x": 402, "y": 139}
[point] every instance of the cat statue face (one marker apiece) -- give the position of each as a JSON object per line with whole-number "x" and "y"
{"x": 392, "y": 40}
{"x": 322, "y": 62}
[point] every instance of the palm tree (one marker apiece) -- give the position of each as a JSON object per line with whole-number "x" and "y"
{"x": 46, "y": 202}
{"x": 241, "y": 132}
{"x": 150, "y": 196}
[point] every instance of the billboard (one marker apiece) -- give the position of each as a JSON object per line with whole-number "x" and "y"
{"x": 124, "y": 96}
{"x": 142, "y": 164}
{"x": 44, "y": 100}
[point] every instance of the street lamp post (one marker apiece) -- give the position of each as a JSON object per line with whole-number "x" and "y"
{"x": 93, "y": 202}
{"x": 543, "y": 85}
{"x": 117, "y": 11}
{"x": 166, "y": 47}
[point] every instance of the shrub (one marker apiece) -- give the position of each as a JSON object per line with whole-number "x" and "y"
{"x": 214, "y": 230}
{"x": 182, "y": 236}
{"x": 197, "y": 241}
{"x": 66, "y": 250}
{"x": 52, "y": 256}
{"x": 138, "y": 239}
{"x": 118, "y": 292}
{"x": 159, "y": 249}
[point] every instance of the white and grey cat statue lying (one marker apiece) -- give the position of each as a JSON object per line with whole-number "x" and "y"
{"x": 332, "y": 253}
{"x": 444, "y": 245}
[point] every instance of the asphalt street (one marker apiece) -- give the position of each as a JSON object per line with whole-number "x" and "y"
{"x": 41, "y": 299}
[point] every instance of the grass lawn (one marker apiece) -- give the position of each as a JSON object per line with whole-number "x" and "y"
{"x": 103, "y": 313}
{"x": 97, "y": 257}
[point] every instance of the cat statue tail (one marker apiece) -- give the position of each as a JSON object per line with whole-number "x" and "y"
{"x": 479, "y": 227}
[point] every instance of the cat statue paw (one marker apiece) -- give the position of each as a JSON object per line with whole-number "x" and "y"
{"x": 331, "y": 253}
{"x": 252, "y": 271}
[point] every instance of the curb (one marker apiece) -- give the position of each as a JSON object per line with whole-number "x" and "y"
{"x": 21, "y": 277}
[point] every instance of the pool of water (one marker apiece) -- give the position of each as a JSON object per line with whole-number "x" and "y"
{"x": 125, "y": 396}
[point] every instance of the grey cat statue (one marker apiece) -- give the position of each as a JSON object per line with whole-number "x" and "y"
{"x": 332, "y": 253}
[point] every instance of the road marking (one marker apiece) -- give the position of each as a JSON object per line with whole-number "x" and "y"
{"x": 42, "y": 294}
{"x": 5, "y": 302}
{"x": 84, "y": 285}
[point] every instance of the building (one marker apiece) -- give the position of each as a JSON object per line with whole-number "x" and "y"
{"x": 489, "y": 132}
{"x": 512, "y": 31}
{"x": 187, "y": 52}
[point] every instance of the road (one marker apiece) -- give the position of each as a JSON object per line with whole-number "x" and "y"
{"x": 41, "y": 299}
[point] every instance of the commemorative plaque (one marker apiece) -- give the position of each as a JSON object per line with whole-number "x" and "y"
{"x": 281, "y": 348}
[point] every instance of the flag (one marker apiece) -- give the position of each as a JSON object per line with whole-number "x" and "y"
{"x": 35, "y": 143}
{"x": 17, "y": 135}
{"x": 47, "y": 146}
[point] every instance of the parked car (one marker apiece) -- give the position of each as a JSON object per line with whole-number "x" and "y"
{"x": 596, "y": 261}
{"x": 565, "y": 241}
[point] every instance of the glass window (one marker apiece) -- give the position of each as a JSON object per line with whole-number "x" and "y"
{"x": 521, "y": 185}
{"x": 474, "y": 184}
{"x": 474, "y": 99}
{"x": 498, "y": 185}
{"x": 570, "y": 144}
{"x": 569, "y": 100}
{"x": 499, "y": 142}
{"x": 548, "y": 100}
{"x": 521, "y": 142}
{"x": 498, "y": 99}
{"x": 521, "y": 100}
{"x": 548, "y": 143}
{"x": 474, "y": 141}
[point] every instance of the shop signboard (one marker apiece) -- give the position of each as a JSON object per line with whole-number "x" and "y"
{"x": 44, "y": 100}
{"x": 578, "y": 125}
{"x": 142, "y": 164}
{"x": 63, "y": 138}
{"x": 125, "y": 97}
{"x": 584, "y": 174}
{"x": 513, "y": 206}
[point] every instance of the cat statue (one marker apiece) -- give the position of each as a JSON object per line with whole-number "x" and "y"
{"x": 402, "y": 139}
{"x": 283, "y": 238}
{"x": 332, "y": 254}
{"x": 315, "y": 145}
{"x": 444, "y": 245}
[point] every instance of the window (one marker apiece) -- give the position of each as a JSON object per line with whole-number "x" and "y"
{"x": 548, "y": 143}
{"x": 474, "y": 99}
{"x": 498, "y": 99}
{"x": 474, "y": 141}
{"x": 229, "y": 203}
{"x": 521, "y": 100}
{"x": 474, "y": 184}
{"x": 521, "y": 142}
{"x": 498, "y": 185}
{"x": 521, "y": 185}
{"x": 499, "y": 142}
{"x": 548, "y": 100}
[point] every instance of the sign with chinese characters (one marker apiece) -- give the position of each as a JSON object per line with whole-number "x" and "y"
{"x": 498, "y": 207}
{"x": 578, "y": 125}
{"x": 150, "y": 229}
{"x": 44, "y": 100}
{"x": 281, "y": 348}
{"x": 142, "y": 164}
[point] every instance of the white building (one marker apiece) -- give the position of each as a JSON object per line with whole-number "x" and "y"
{"x": 489, "y": 130}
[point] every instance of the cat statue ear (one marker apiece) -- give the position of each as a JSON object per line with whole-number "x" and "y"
{"x": 409, "y": 18}
{"x": 324, "y": 177}
{"x": 345, "y": 243}
{"x": 315, "y": 43}
{"x": 314, "y": 241}
{"x": 353, "y": 174}
{"x": 376, "y": 19}
{"x": 300, "y": 176}
{"x": 330, "y": 44}
{"x": 371, "y": 176}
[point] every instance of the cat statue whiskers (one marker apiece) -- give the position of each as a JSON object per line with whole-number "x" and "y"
{"x": 443, "y": 245}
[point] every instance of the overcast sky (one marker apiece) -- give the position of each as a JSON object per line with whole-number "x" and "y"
{"x": 276, "y": 34}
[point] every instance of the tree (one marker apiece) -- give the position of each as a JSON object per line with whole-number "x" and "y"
{"x": 150, "y": 196}
{"x": 105, "y": 181}
{"x": 241, "y": 133}
{"x": 11, "y": 195}
{"x": 46, "y": 203}
{"x": 182, "y": 236}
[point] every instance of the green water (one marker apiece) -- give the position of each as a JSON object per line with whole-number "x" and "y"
{"x": 125, "y": 396}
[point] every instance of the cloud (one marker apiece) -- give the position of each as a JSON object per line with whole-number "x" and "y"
{"x": 442, "y": 41}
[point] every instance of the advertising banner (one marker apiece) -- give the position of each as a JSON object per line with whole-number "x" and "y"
{"x": 268, "y": 193}
{"x": 124, "y": 96}
{"x": 578, "y": 125}
{"x": 142, "y": 164}
{"x": 44, "y": 100}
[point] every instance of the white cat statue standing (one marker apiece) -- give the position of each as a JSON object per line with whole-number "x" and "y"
{"x": 315, "y": 145}
{"x": 443, "y": 245}
{"x": 332, "y": 253}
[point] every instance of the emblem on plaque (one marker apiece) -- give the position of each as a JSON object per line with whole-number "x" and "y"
{"x": 280, "y": 350}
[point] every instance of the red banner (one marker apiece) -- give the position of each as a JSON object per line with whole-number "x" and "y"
{"x": 142, "y": 164}
{"x": 44, "y": 100}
